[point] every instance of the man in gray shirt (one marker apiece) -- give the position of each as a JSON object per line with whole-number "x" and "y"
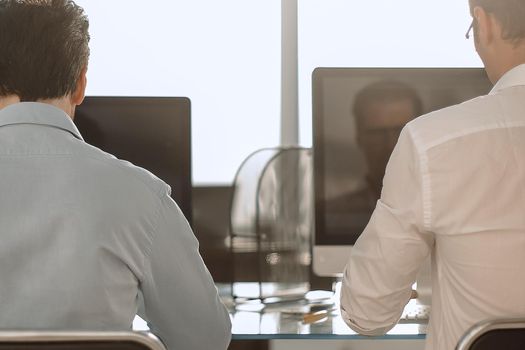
{"x": 82, "y": 233}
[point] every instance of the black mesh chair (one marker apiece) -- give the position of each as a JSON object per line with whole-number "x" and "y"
{"x": 81, "y": 340}
{"x": 499, "y": 334}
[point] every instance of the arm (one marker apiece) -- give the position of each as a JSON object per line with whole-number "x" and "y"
{"x": 387, "y": 256}
{"x": 181, "y": 304}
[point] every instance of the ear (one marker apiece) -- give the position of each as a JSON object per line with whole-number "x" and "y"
{"x": 80, "y": 91}
{"x": 484, "y": 26}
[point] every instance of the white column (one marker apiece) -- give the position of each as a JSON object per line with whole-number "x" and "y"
{"x": 289, "y": 74}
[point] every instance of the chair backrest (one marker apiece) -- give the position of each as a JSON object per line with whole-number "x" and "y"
{"x": 501, "y": 334}
{"x": 78, "y": 340}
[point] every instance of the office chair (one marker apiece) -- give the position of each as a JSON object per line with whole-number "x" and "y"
{"x": 78, "y": 340}
{"x": 501, "y": 334}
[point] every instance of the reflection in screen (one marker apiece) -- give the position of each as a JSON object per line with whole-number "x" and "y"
{"x": 379, "y": 111}
{"x": 358, "y": 116}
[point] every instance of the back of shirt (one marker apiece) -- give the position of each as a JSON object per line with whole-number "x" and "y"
{"x": 475, "y": 174}
{"x": 82, "y": 233}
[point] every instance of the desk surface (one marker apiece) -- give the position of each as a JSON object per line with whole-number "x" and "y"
{"x": 254, "y": 320}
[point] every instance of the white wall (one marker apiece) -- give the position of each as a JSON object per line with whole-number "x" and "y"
{"x": 224, "y": 55}
{"x": 379, "y": 33}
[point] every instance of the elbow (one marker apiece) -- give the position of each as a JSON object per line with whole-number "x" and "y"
{"x": 223, "y": 331}
{"x": 221, "y": 340}
{"x": 215, "y": 335}
{"x": 368, "y": 313}
{"x": 227, "y": 333}
{"x": 366, "y": 327}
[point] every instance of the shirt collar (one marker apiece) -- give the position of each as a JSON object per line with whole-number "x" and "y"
{"x": 40, "y": 114}
{"x": 513, "y": 77}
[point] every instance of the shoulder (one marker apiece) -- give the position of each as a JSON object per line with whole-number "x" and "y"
{"x": 446, "y": 124}
{"x": 121, "y": 175}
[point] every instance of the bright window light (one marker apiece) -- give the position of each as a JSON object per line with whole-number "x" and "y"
{"x": 223, "y": 55}
{"x": 379, "y": 33}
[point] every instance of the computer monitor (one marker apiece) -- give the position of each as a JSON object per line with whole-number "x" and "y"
{"x": 151, "y": 132}
{"x": 357, "y": 116}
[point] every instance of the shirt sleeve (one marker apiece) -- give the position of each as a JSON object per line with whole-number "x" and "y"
{"x": 181, "y": 302}
{"x": 385, "y": 260}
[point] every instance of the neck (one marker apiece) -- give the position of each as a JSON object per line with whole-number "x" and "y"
{"x": 8, "y": 100}
{"x": 507, "y": 57}
{"x": 504, "y": 69}
{"x": 63, "y": 103}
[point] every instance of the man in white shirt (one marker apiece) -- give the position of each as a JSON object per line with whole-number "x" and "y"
{"x": 85, "y": 236}
{"x": 454, "y": 188}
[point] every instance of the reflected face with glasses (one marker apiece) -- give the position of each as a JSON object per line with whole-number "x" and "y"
{"x": 381, "y": 111}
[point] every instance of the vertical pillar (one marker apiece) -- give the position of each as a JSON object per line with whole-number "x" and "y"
{"x": 289, "y": 74}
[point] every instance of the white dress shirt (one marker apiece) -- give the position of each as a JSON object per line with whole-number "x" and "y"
{"x": 82, "y": 233}
{"x": 454, "y": 188}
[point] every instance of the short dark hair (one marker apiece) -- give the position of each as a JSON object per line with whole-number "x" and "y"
{"x": 510, "y": 14}
{"x": 43, "y": 48}
{"x": 385, "y": 91}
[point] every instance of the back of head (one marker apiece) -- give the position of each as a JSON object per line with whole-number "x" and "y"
{"x": 509, "y": 13}
{"x": 43, "y": 48}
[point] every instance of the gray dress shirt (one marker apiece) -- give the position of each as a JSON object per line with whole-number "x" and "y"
{"x": 83, "y": 234}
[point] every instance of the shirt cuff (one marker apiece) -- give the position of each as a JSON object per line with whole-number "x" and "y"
{"x": 376, "y": 331}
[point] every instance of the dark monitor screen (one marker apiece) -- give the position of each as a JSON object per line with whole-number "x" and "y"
{"x": 151, "y": 132}
{"x": 358, "y": 114}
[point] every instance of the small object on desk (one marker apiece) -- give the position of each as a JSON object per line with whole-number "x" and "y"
{"x": 312, "y": 317}
{"x": 297, "y": 305}
{"x": 304, "y": 309}
{"x": 414, "y": 294}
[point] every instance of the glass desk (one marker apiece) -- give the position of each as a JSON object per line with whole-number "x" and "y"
{"x": 282, "y": 325}
{"x": 252, "y": 319}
